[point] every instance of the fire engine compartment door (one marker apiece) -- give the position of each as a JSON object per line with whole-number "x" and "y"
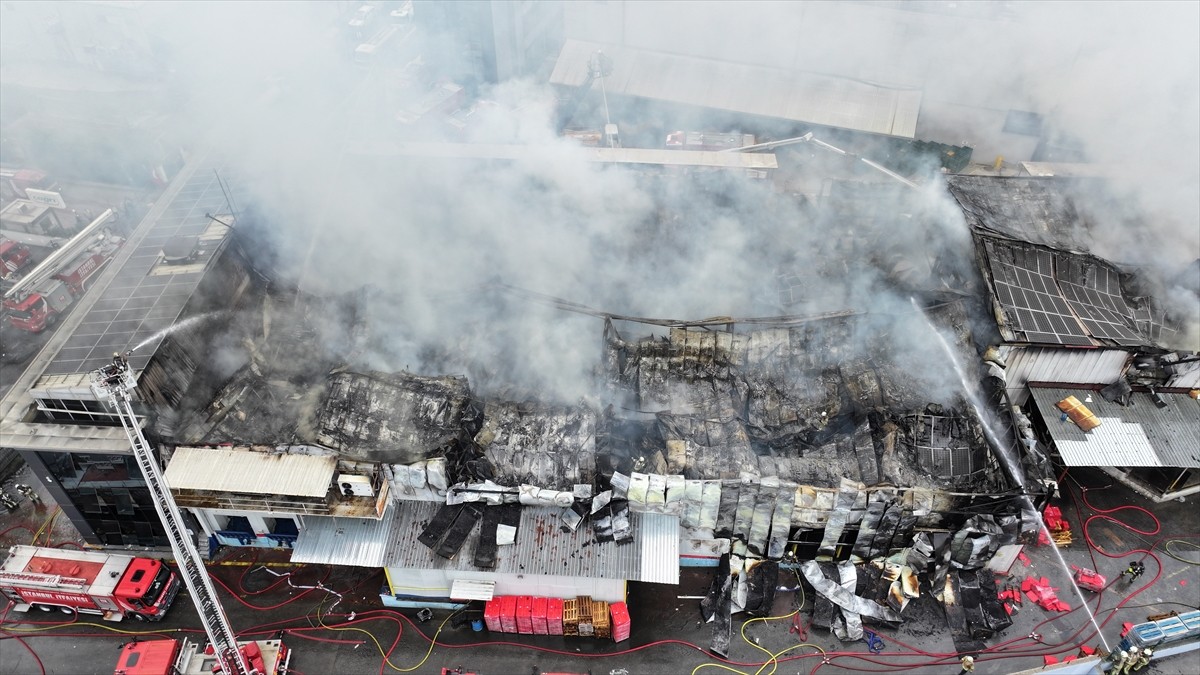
{"x": 58, "y": 295}
{"x": 107, "y": 604}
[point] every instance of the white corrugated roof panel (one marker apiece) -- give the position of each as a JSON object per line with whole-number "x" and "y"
{"x": 755, "y": 90}
{"x": 248, "y": 471}
{"x": 1140, "y": 434}
{"x": 1059, "y": 365}
{"x": 543, "y": 548}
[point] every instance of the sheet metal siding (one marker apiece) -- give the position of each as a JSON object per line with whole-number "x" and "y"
{"x": 1060, "y": 365}
{"x": 1188, "y": 376}
{"x": 360, "y": 542}
{"x": 756, "y": 90}
{"x": 250, "y": 472}
{"x": 1173, "y": 432}
{"x": 660, "y": 547}
{"x": 542, "y": 547}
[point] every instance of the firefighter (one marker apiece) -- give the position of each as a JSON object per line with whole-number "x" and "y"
{"x": 1135, "y": 570}
{"x": 968, "y": 665}
{"x": 1144, "y": 659}
{"x": 28, "y": 493}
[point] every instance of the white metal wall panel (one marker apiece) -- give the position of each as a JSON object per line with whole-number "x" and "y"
{"x": 1059, "y": 365}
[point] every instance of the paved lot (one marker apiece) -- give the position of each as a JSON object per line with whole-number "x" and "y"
{"x": 664, "y": 622}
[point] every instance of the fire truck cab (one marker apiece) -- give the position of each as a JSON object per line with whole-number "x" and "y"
{"x": 13, "y": 256}
{"x": 91, "y": 582}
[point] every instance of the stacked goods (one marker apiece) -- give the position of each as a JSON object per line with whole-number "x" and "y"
{"x": 620, "y": 621}
{"x": 508, "y": 614}
{"x": 491, "y": 614}
{"x": 525, "y": 614}
{"x": 600, "y": 621}
{"x": 539, "y": 616}
{"x": 586, "y": 627}
{"x": 570, "y": 617}
{"x": 554, "y": 616}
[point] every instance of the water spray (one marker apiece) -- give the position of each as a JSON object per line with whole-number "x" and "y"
{"x": 1008, "y": 457}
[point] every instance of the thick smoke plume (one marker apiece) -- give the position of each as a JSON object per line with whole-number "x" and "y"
{"x": 307, "y": 136}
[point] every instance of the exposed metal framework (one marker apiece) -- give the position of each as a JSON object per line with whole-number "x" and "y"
{"x": 114, "y": 384}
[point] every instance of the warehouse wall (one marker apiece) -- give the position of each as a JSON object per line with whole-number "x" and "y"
{"x": 435, "y": 584}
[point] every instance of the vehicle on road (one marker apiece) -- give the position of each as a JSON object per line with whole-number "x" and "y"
{"x": 112, "y": 585}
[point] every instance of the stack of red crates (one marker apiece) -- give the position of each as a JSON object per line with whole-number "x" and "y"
{"x": 620, "y": 621}
{"x": 508, "y": 614}
{"x": 491, "y": 614}
{"x": 554, "y": 613}
{"x": 525, "y": 614}
{"x": 539, "y": 616}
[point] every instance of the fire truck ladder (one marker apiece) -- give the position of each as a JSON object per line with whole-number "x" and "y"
{"x": 113, "y": 384}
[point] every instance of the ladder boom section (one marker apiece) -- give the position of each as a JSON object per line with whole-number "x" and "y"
{"x": 114, "y": 384}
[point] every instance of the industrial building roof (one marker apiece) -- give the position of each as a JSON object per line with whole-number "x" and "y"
{"x": 648, "y": 156}
{"x": 146, "y": 296}
{"x": 755, "y": 90}
{"x": 1140, "y": 434}
{"x": 541, "y": 546}
{"x": 251, "y": 471}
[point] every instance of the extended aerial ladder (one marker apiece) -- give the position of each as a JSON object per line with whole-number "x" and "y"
{"x": 114, "y": 384}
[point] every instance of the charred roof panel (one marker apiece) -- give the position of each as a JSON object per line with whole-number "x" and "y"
{"x": 1047, "y": 296}
{"x": 1038, "y": 210}
{"x": 535, "y": 445}
{"x": 395, "y": 418}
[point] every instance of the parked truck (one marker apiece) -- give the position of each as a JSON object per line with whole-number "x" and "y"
{"x": 36, "y": 300}
{"x": 184, "y": 657}
{"x": 112, "y": 585}
{"x": 14, "y": 257}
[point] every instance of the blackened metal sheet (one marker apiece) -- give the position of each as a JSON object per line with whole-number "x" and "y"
{"x": 436, "y": 528}
{"x": 457, "y": 535}
{"x": 485, "y": 546}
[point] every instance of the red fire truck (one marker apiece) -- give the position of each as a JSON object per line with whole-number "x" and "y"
{"x": 91, "y": 582}
{"x": 183, "y": 657}
{"x": 36, "y": 300}
{"x": 13, "y": 257}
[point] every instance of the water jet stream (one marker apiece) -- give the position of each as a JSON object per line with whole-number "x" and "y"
{"x": 1007, "y": 456}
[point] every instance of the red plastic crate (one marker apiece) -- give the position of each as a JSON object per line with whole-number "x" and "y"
{"x": 539, "y": 616}
{"x": 491, "y": 614}
{"x": 525, "y": 614}
{"x": 554, "y": 614}
{"x": 508, "y": 614}
{"x": 620, "y": 621}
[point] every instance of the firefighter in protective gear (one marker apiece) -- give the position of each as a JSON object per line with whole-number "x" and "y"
{"x": 968, "y": 665}
{"x": 1144, "y": 659}
{"x": 1135, "y": 569}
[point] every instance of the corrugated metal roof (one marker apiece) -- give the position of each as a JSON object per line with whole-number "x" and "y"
{"x": 1141, "y": 434}
{"x": 756, "y": 90}
{"x": 1059, "y": 365}
{"x": 250, "y": 471}
{"x": 361, "y": 542}
{"x": 543, "y": 548}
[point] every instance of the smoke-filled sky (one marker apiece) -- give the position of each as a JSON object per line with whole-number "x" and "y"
{"x": 272, "y": 88}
